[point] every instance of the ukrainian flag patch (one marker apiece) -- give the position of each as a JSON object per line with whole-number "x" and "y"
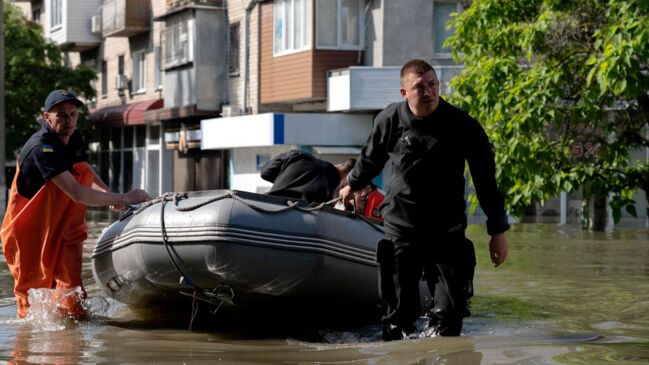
{"x": 47, "y": 148}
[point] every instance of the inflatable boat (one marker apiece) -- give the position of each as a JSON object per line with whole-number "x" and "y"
{"x": 241, "y": 250}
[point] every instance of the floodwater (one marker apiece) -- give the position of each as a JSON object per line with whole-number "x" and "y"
{"x": 564, "y": 297}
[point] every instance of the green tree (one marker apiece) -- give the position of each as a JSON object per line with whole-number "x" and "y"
{"x": 561, "y": 87}
{"x": 34, "y": 67}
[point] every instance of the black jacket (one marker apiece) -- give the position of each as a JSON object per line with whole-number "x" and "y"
{"x": 426, "y": 194}
{"x": 299, "y": 175}
{"x": 44, "y": 156}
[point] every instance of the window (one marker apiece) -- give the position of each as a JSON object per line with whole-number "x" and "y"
{"x": 104, "y": 78}
{"x": 178, "y": 44}
{"x": 120, "y": 65}
{"x": 234, "y": 49}
{"x": 56, "y": 13}
{"x": 441, "y": 15}
{"x": 139, "y": 72}
{"x": 339, "y": 24}
{"x": 292, "y": 19}
{"x": 157, "y": 73}
{"x": 36, "y": 15}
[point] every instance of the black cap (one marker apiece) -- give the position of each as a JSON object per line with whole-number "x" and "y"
{"x": 60, "y": 96}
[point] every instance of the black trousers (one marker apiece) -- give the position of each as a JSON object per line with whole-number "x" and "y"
{"x": 446, "y": 263}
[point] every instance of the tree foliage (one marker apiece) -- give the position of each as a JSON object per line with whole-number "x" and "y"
{"x": 561, "y": 87}
{"x": 33, "y": 67}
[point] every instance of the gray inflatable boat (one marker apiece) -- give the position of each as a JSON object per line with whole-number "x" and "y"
{"x": 240, "y": 249}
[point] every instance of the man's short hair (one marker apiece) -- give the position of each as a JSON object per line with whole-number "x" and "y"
{"x": 348, "y": 164}
{"x": 416, "y": 66}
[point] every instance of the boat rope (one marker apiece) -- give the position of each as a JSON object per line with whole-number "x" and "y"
{"x": 205, "y": 295}
{"x": 176, "y": 197}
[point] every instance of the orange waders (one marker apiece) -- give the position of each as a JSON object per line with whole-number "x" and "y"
{"x": 42, "y": 240}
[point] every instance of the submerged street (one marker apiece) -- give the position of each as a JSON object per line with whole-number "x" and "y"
{"x": 564, "y": 297}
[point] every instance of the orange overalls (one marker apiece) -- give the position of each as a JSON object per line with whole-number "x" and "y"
{"x": 42, "y": 240}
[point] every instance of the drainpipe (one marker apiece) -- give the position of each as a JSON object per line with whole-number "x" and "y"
{"x": 246, "y": 39}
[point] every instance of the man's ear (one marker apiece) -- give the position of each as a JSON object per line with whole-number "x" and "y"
{"x": 402, "y": 91}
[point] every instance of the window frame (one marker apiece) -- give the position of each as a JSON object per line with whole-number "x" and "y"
{"x": 339, "y": 42}
{"x": 138, "y": 81}
{"x": 173, "y": 54}
{"x": 234, "y": 49}
{"x": 56, "y": 14}
{"x": 457, "y": 10}
{"x": 288, "y": 37}
{"x": 158, "y": 78}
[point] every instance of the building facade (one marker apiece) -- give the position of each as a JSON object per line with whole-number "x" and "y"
{"x": 199, "y": 94}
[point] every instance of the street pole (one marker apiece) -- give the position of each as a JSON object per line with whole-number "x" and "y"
{"x": 3, "y": 142}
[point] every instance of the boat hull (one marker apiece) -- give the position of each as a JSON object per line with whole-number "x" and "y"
{"x": 227, "y": 248}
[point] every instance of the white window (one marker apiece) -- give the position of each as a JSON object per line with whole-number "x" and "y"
{"x": 292, "y": 19}
{"x": 138, "y": 84}
{"x": 179, "y": 44}
{"x": 340, "y": 24}
{"x": 157, "y": 72}
{"x": 56, "y": 13}
{"x": 441, "y": 15}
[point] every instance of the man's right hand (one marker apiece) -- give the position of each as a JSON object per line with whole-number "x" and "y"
{"x": 136, "y": 196}
{"x": 346, "y": 194}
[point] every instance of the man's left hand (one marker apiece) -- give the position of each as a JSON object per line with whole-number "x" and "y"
{"x": 498, "y": 249}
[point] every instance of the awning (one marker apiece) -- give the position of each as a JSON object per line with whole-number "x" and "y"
{"x": 179, "y": 112}
{"x": 134, "y": 114}
{"x": 111, "y": 116}
{"x": 121, "y": 115}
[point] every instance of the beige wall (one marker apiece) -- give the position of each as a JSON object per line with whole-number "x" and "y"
{"x": 236, "y": 10}
{"x": 113, "y": 47}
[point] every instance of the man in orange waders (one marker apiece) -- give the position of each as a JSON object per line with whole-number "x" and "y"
{"x": 44, "y": 227}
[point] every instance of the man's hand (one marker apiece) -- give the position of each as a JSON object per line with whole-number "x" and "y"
{"x": 136, "y": 196}
{"x": 117, "y": 207}
{"x": 498, "y": 249}
{"x": 346, "y": 194}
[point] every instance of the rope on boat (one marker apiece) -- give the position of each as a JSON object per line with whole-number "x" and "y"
{"x": 213, "y": 296}
{"x": 176, "y": 197}
{"x": 209, "y": 296}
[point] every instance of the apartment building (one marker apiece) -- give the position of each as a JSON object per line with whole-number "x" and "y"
{"x": 311, "y": 75}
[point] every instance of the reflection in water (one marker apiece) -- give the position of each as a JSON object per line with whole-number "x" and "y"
{"x": 62, "y": 346}
{"x": 564, "y": 297}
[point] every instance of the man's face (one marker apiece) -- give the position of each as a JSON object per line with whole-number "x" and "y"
{"x": 63, "y": 119}
{"x": 422, "y": 92}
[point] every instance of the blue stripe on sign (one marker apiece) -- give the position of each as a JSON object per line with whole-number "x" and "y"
{"x": 278, "y": 128}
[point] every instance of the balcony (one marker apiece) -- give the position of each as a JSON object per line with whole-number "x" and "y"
{"x": 173, "y": 4}
{"x": 373, "y": 88}
{"x": 68, "y": 24}
{"x": 122, "y": 18}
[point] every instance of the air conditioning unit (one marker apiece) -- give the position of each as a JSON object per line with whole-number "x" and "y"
{"x": 121, "y": 82}
{"x": 230, "y": 111}
{"x": 95, "y": 25}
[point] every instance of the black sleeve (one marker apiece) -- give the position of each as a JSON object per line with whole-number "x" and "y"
{"x": 49, "y": 160}
{"x": 480, "y": 157}
{"x": 272, "y": 168}
{"x": 373, "y": 156}
{"x": 78, "y": 147}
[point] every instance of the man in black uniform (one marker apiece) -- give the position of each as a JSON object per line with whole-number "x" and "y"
{"x": 299, "y": 175}
{"x": 428, "y": 141}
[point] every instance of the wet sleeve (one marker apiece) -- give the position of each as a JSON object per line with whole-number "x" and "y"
{"x": 483, "y": 172}
{"x": 272, "y": 168}
{"x": 373, "y": 156}
{"x": 49, "y": 160}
